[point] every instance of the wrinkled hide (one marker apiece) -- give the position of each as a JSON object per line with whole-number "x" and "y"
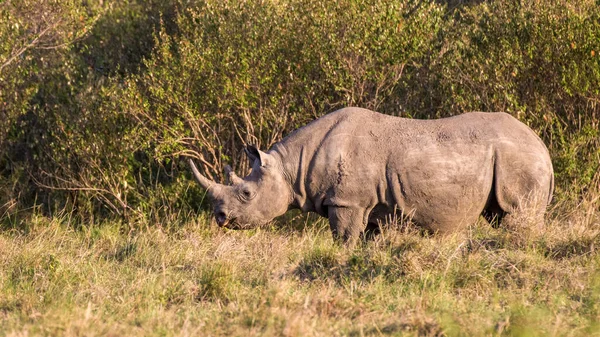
{"x": 356, "y": 166}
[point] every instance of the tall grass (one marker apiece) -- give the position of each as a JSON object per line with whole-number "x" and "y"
{"x": 196, "y": 279}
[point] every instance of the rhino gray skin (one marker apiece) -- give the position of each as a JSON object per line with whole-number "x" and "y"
{"x": 355, "y": 167}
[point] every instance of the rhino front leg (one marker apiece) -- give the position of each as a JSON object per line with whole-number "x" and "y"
{"x": 346, "y": 223}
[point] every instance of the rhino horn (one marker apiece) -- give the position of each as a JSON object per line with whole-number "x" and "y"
{"x": 232, "y": 178}
{"x": 206, "y": 183}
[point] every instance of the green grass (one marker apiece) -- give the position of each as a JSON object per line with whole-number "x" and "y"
{"x": 196, "y": 279}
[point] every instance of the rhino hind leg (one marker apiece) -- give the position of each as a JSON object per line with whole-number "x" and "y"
{"x": 527, "y": 214}
{"x": 521, "y": 194}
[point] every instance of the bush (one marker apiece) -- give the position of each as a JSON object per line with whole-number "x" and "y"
{"x": 539, "y": 63}
{"x": 98, "y": 123}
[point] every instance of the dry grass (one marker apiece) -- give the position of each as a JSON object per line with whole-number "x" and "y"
{"x": 194, "y": 279}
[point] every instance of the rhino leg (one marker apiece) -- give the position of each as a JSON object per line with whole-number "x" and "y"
{"x": 522, "y": 213}
{"x": 346, "y": 223}
{"x": 527, "y": 215}
{"x": 522, "y": 188}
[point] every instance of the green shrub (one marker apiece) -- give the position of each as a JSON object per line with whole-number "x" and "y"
{"x": 537, "y": 62}
{"x": 95, "y": 115}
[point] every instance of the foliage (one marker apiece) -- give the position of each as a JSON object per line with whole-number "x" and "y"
{"x": 100, "y": 100}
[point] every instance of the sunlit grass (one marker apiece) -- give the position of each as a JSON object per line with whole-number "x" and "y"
{"x": 195, "y": 279}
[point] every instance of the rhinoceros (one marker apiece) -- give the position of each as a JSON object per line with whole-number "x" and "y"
{"x": 356, "y": 167}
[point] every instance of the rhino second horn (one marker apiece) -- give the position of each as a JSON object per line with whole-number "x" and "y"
{"x": 206, "y": 183}
{"x": 232, "y": 178}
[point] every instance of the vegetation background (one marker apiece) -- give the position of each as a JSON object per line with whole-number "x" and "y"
{"x": 103, "y": 231}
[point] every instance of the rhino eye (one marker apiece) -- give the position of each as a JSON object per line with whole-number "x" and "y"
{"x": 247, "y": 194}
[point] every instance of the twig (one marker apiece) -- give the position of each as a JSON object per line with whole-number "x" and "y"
{"x": 28, "y": 46}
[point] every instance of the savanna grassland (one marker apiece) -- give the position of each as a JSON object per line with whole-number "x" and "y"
{"x": 194, "y": 279}
{"x": 104, "y": 232}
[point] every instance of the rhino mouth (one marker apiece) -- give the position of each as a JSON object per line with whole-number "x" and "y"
{"x": 231, "y": 223}
{"x": 234, "y": 224}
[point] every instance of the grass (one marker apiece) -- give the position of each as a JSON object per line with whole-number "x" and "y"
{"x": 194, "y": 279}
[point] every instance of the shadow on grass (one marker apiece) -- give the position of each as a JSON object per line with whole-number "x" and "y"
{"x": 425, "y": 327}
{"x": 367, "y": 262}
{"x": 573, "y": 247}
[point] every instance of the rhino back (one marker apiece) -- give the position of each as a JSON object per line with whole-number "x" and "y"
{"x": 440, "y": 170}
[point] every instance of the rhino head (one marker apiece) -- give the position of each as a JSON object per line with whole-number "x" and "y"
{"x": 248, "y": 202}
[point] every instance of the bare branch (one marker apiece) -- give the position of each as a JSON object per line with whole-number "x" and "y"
{"x": 28, "y": 46}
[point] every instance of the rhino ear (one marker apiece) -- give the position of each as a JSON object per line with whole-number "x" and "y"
{"x": 253, "y": 154}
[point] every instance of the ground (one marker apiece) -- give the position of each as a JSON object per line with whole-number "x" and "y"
{"x": 194, "y": 279}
